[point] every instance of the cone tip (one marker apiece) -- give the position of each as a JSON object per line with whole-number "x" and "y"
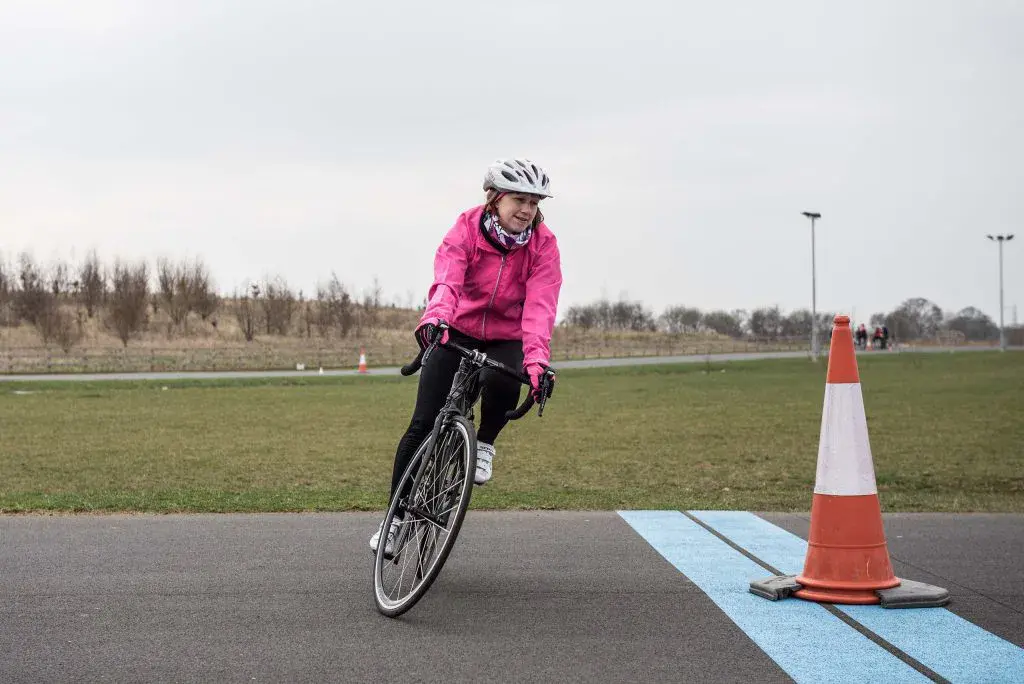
{"x": 842, "y": 321}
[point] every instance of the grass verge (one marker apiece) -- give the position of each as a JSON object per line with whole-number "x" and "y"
{"x": 947, "y": 434}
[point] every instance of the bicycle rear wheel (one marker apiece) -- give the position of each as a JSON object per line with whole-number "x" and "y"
{"x": 439, "y": 483}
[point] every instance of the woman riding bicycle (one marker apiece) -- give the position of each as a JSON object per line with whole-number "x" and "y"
{"x": 497, "y": 277}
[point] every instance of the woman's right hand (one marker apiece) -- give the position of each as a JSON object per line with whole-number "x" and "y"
{"x": 426, "y": 333}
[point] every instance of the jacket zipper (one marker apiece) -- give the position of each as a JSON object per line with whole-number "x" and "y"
{"x": 483, "y": 325}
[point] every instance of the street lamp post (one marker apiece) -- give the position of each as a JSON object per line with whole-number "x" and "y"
{"x": 814, "y": 289}
{"x": 1002, "y": 331}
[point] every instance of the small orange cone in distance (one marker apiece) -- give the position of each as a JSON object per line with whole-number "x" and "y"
{"x": 847, "y": 556}
{"x": 362, "y": 361}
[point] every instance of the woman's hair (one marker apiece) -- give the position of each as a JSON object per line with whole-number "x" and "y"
{"x": 492, "y": 206}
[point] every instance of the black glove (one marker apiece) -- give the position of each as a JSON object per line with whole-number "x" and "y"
{"x": 427, "y": 333}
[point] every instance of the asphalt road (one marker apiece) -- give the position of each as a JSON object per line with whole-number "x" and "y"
{"x": 525, "y": 597}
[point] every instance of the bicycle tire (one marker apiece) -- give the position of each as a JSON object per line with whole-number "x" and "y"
{"x": 419, "y": 469}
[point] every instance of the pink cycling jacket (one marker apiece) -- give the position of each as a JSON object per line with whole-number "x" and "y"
{"x": 491, "y": 295}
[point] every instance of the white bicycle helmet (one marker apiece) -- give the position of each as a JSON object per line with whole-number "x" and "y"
{"x": 517, "y": 175}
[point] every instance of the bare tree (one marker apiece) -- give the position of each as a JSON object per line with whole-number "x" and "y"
{"x": 60, "y": 279}
{"x": 604, "y": 315}
{"x": 334, "y": 308}
{"x": 826, "y": 321}
{"x": 33, "y": 299}
{"x": 207, "y": 304}
{"x": 247, "y": 312}
{"x": 767, "y": 323}
{"x": 798, "y": 324}
{"x": 680, "y": 319}
{"x": 173, "y": 284}
{"x": 974, "y": 324}
{"x": 164, "y": 279}
{"x": 128, "y": 300}
{"x": 60, "y": 326}
{"x": 915, "y": 318}
{"x": 308, "y": 317}
{"x": 632, "y": 316}
{"x": 92, "y": 284}
{"x": 723, "y": 323}
{"x": 7, "y": 291}
{"x": 183, "y": 288}
{"x": 371, "y": 305}
{"x": 278, "y": 306}
{"x": 202, "y": 298}
{"x": 584, "y": 317}
{"x": 46, "y": 324}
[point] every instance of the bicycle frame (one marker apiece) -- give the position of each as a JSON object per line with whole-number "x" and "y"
{"x": 461, "y": 397}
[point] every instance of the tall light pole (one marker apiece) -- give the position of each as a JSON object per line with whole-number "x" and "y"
{"x": 1002, "y": 331}
{"x": 814, "y": 216}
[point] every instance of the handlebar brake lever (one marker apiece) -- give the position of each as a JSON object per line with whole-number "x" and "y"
{"x": 428, "y": 351}
{"x": 544, "y": 394}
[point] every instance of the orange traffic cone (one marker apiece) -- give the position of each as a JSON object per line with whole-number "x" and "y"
{"x": 362, "y": 361}
{"x": 847, "y": 558}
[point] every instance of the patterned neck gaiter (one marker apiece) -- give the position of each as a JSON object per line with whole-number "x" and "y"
{"x": 510, "y": 241}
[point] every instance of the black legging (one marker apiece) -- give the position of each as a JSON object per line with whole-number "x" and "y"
{"x": 499, "y": 393}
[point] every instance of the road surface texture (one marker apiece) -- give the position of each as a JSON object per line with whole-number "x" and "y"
{"x": 525, "y": 597}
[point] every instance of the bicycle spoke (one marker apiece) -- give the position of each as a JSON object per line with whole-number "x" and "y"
{"x": 405, "y": 559}
{"x": 433, "y": 525}
{"x": 447, "y": 510}
{"x": 453, "y": 485}
{"x": 398, "y": 582}
{"x": 451, "y": 471}
{"x": 421, "y": 556}
{"x": 439, "y": 470}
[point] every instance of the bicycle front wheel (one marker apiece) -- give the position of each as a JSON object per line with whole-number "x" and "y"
{"x": 430, "y": 503}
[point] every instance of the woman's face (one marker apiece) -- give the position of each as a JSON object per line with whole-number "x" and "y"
{"x": 516, "y": 211}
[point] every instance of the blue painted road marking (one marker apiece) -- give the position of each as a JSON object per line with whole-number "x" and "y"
{"x": 957, "y": 649}
{"x": 806, "y": 641}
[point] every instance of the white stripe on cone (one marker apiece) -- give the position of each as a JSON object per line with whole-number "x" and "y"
{"x": 845, "y": 467}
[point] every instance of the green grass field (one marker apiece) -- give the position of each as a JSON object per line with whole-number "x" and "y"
{"x": 947, "y": 434}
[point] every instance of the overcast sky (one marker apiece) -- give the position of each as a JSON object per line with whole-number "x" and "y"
{"x": 683, "y": 139}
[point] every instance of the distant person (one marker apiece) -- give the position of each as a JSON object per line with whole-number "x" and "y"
{"x": 862, "y": 336}
{"x": 885, "y": 337}
{"x": 497, "y": 278}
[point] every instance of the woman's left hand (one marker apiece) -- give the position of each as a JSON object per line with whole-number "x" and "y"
{"x": 536, "y": 372}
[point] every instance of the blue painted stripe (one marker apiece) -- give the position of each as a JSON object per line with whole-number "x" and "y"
{"x": 807, "y": 642}
{"x": 957, "y": 649}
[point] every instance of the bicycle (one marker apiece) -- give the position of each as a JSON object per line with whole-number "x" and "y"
{"x": 433, "y": 495}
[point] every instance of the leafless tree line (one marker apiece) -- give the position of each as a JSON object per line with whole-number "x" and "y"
{"x": 914, "y": 319}
{"x": 271, "y": 306}
{"x": 59, "y": 299}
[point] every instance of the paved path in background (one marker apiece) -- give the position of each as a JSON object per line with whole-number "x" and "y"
{"x": 394, "y": 370}
{"x": 525, "y": 597}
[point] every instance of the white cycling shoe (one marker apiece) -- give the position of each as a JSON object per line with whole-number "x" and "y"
{"x": 484, "y": 456}
{"x": 389, "y": 545}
